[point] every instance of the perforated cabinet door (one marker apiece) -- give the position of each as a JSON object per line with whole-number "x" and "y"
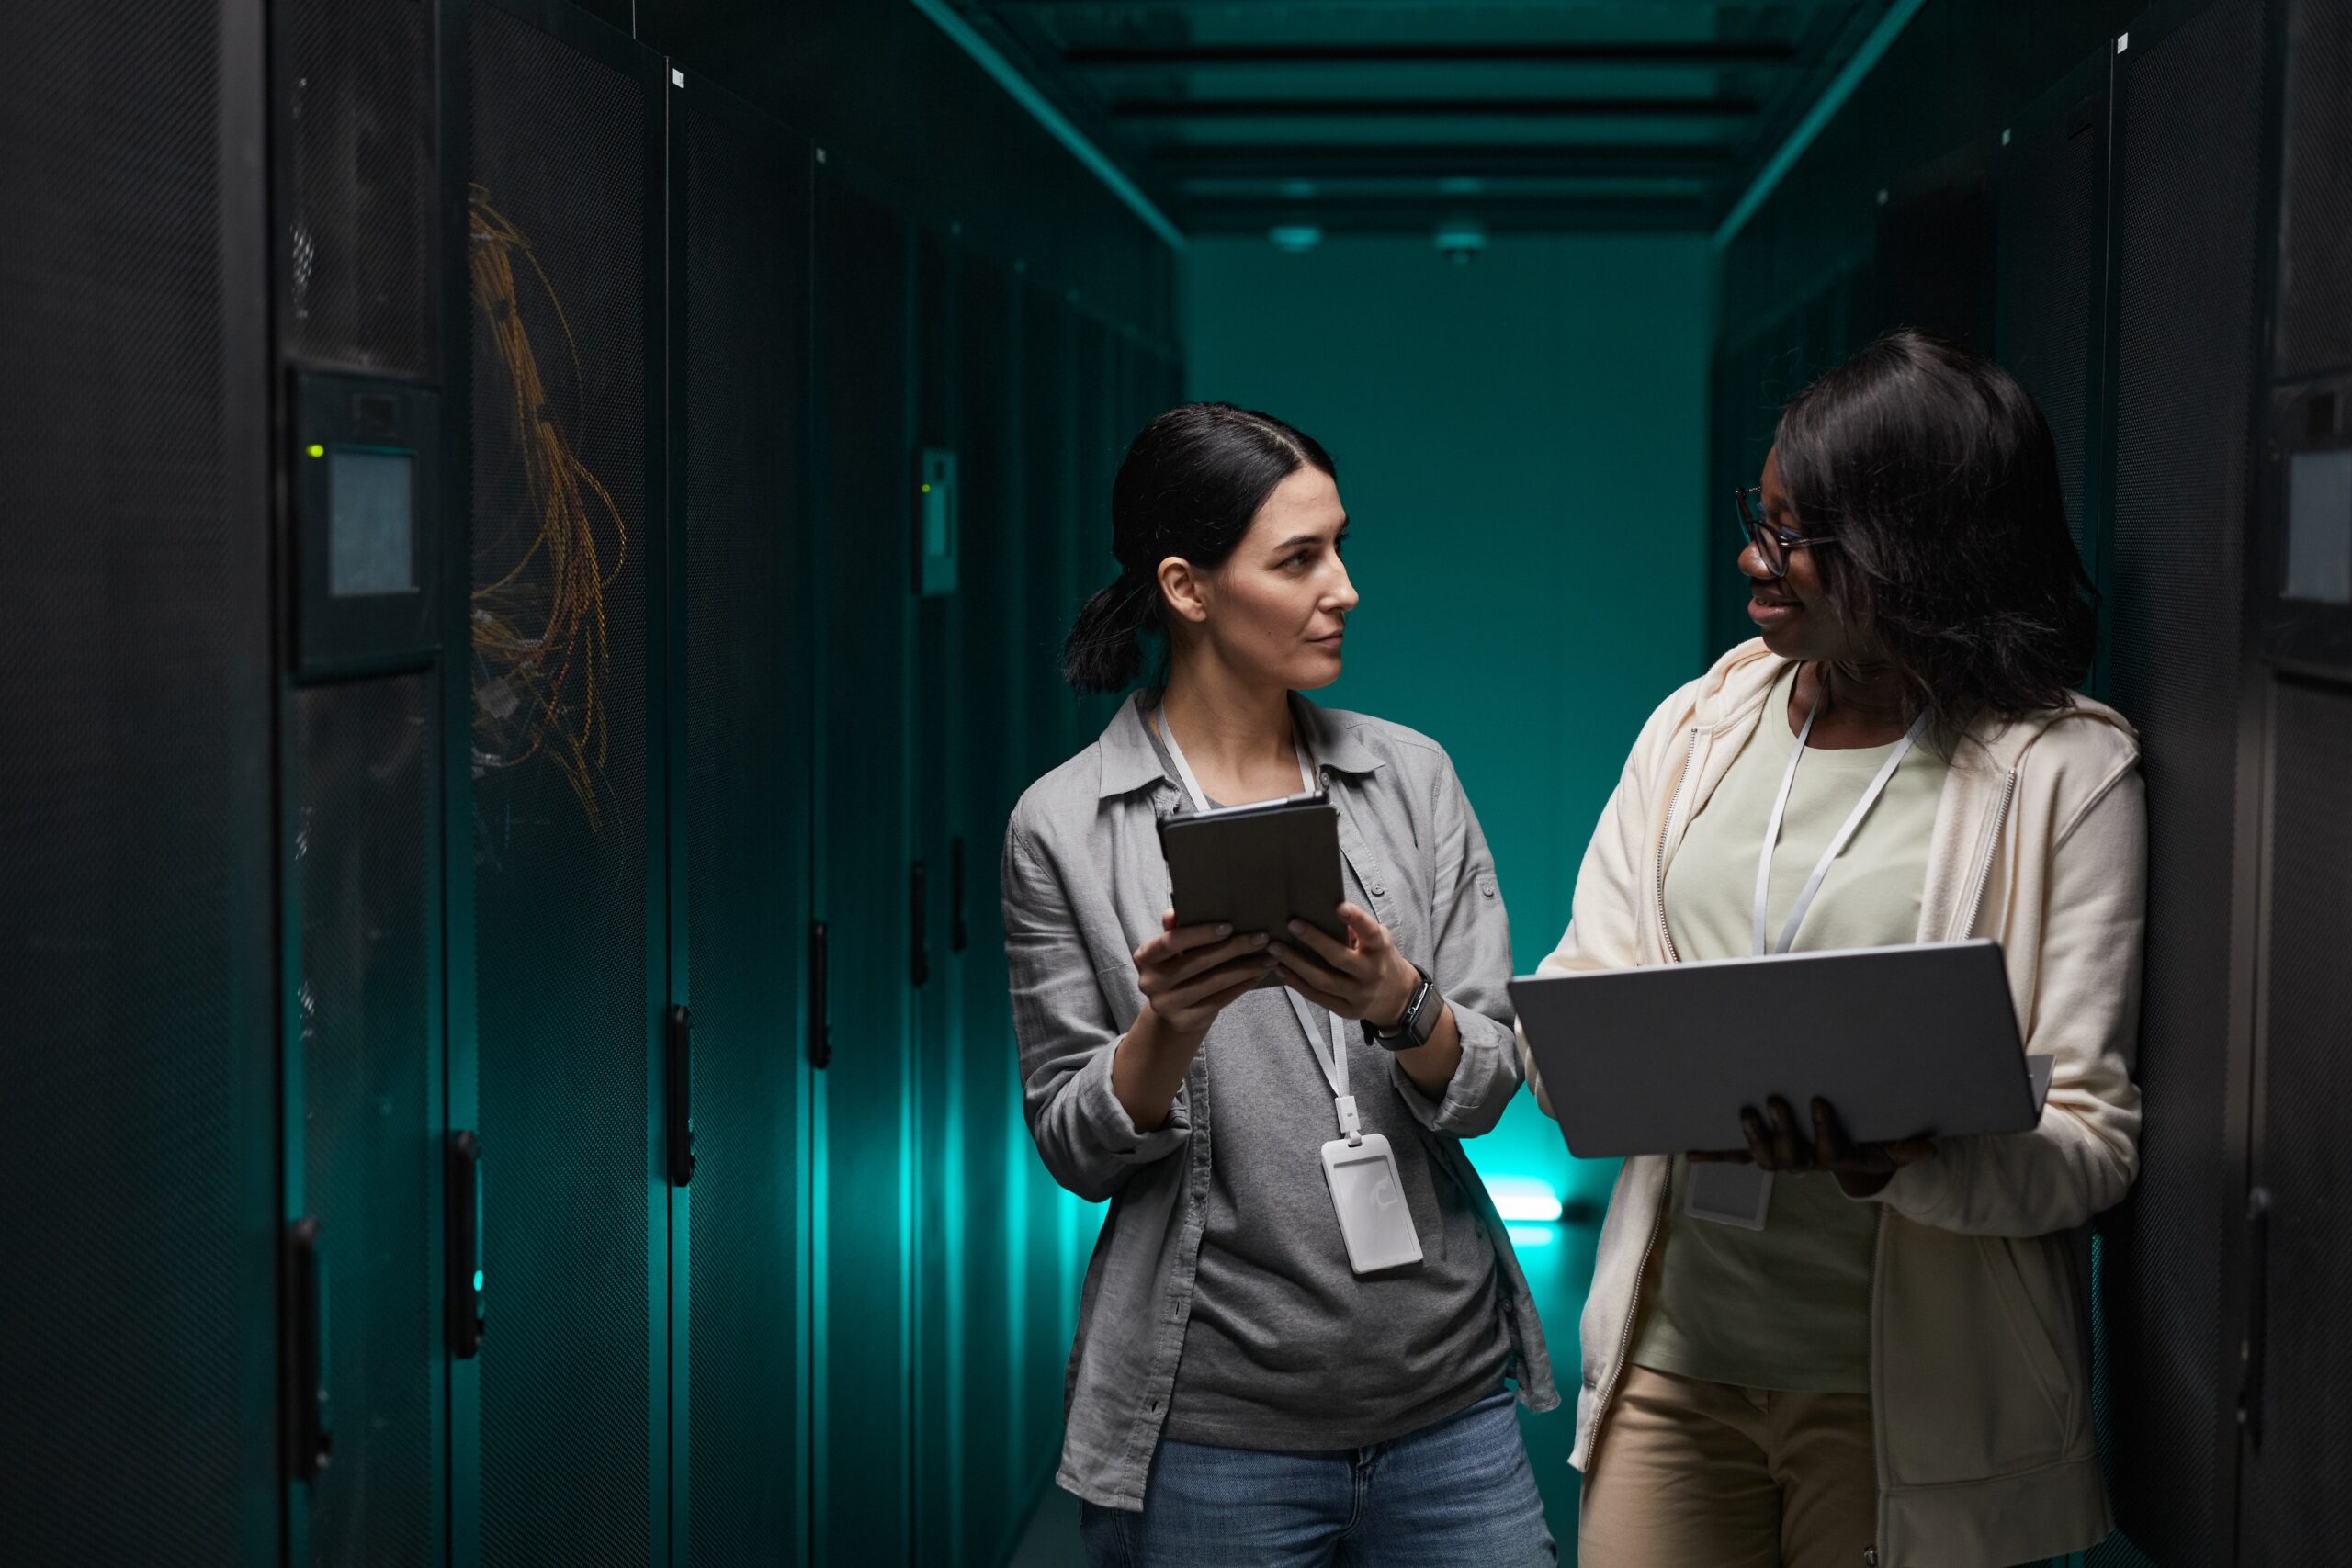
{"x": 139, "y": 1127}
{"x": 740, "y": 1385}
{"x": 364, "y": 1010}
{"x": 1000, "y": 1466}
{"x": 865, "y": 1202}
{"x": 936, "y": 1086}
{"x": 573, "y": 1370}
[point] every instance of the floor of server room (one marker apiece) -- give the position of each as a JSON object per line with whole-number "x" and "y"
{"x": 1558, "y": 1259}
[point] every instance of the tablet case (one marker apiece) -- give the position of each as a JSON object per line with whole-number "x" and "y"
{"x": 1258, "y": 867}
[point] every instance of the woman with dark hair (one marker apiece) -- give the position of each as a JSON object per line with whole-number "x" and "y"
{"x": 1237, "y": 1391}
{"x": 1891, "y": 1369}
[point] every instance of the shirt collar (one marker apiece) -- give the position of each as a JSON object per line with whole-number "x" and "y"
{"x": 1130, "y": 761}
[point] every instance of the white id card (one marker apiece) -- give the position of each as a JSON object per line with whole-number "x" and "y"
{"x": 1728, "y": 1194}
{"x": 1373, "y": 1217}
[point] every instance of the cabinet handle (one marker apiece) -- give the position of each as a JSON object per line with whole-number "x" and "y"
{"x": 463, "y": 1188}
{"x": 2254, "y": 1345}
{"x": 302, "y": 1377}
{"x": 918, "y": 947}
{"x": 681, "y": 1097}
{"x": 820, "y": 1012}
{"x": 959, "y": 934}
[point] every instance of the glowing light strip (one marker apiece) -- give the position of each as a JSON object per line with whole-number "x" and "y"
{"x": 1052, "y": 119}
{"x": 1889, "y": 28}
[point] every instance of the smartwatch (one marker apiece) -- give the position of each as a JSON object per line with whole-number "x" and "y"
{"x": 1420, "y": 1021}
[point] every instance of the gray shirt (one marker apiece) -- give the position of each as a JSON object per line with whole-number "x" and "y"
{"x": 1084, "y": 886}
{"x": 1285, "y": 1347}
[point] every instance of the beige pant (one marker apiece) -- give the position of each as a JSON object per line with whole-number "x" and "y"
{"x": 1691, "y": 1475}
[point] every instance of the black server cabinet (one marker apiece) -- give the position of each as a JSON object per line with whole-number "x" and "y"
{"x": 1049, "y": 1279}
{"x": 567, "y": 951}
{"x": 983, "y": 683}
{"x": 358, "y": 175}
{"x": 138, "y": 1136}
{"x": 742, "y": 609}
{"x": 862, "y": 1151}
{"x": 944, "y": 1234}
{"x": 2191, "y": 105}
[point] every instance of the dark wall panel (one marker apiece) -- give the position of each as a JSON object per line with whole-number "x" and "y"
{"x": 2296, "y": 1509}
{"x": 2052, "y": 268}
{"x": 743, "y": 428}
{"x": 137, "y": 1132}
{"x": 561, "y": 543}
{"x": 2190, "y": 157}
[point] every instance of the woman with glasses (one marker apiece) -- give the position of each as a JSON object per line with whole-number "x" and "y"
{"x": 1891, "y": 1369}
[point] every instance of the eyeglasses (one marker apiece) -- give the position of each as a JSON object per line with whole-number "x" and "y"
{"x": 1773, "y": 546}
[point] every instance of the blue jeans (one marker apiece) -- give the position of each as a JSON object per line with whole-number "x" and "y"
{"x": 1454, "y": 1493}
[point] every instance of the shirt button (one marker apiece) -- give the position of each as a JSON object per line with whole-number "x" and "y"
{"x": 1378, "y": 891}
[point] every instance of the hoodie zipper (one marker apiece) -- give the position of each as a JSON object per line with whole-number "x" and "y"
{"x": 1992, "y": 846}
{"x": 1666, "y": 833}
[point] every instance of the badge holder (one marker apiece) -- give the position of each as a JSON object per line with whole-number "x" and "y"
{"x": 1373, "y": 1218}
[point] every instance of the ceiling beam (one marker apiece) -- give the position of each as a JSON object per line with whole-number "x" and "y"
{"x": 1434, "y": 108}
{"x": 1705, "y": 53}
{"x": 1414, "y": 161}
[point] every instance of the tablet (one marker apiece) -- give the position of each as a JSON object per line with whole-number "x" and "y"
{"x": 1906, "y": 1042}
{"x": 1257, "y": 867}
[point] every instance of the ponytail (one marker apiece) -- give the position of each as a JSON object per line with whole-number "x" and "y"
{"x": 1104, "y": 650}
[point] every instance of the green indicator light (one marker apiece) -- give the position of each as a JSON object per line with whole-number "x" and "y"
{"x": 316, "y": 450}
{"x": 477, "y": 1278}
{"x": 926, "y": 490}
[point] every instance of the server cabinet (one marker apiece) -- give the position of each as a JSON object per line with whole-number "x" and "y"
{"x": 359, "y": 178}
{"x": 138, "y": 1136}
{"x": 983, "y": 679}
{"x": 1050, "y": 1271}
{"x": 363, "y": 1086}
{"x": 863, "y": 1148}
{"x": 739, "y": 907}
{"x": 946, "y": 1211}
{"x": 567, "y": 945}
{"x": 2191, "y": 103}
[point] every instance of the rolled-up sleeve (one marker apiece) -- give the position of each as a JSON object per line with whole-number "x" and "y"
{"x": 1471, "y": 964}
{"x": 1068, "y": 1037}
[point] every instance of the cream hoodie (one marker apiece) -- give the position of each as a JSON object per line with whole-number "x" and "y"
{"x": 1980, "y": 1385}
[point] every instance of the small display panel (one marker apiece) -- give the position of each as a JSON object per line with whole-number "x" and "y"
{"x": 2319, "y": 527}
{"x": 371, "y": 527}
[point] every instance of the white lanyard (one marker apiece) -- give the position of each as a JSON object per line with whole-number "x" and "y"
{"x": 1335, "y": 1069}
{"x": 1837, "y": 845}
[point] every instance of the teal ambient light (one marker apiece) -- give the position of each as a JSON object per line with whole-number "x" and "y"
{"x": 1294, "y": 239}
{"x": 1522, "y": 1198}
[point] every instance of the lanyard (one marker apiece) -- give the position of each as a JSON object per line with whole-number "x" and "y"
{"x": 1837, "y": 845}
{"x": 1335, "y": 1067}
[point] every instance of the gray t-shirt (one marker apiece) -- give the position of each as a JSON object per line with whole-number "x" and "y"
{"x": 1286, "y": 1347}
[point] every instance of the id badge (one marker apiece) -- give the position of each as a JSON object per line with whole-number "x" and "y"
{"x": 1729, "y": 1194}
{"x": 1373, "y": 1218}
